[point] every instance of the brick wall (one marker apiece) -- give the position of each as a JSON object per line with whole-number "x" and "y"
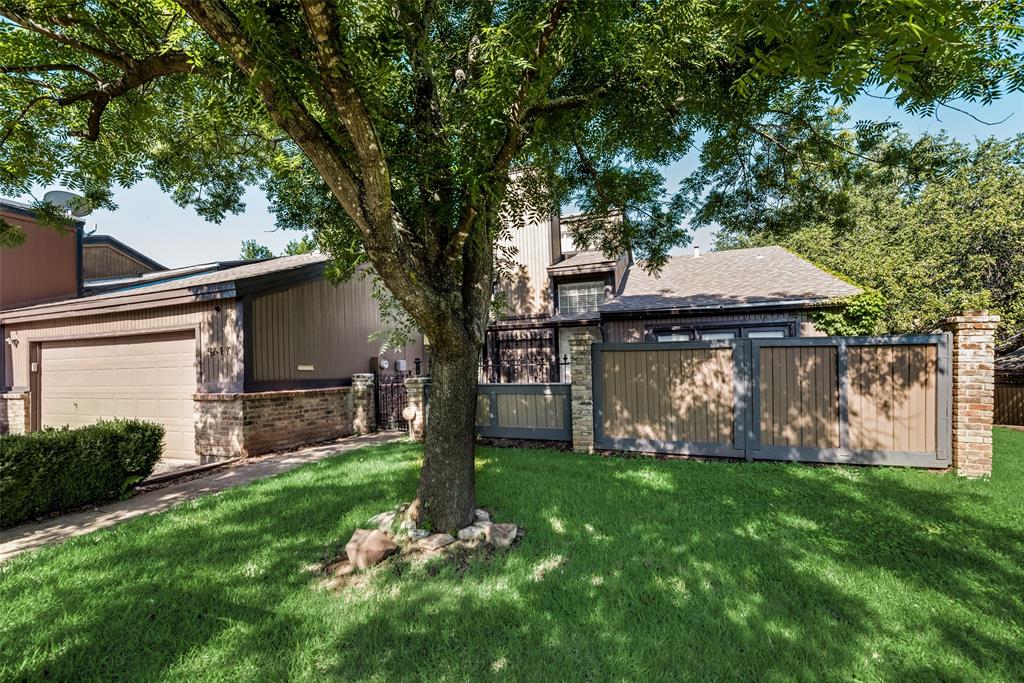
{"x": 229, "y": 425}
{"x": 14, "y": 413}
{"x": 416, "y": 408}
{"x": 973, "y": 391}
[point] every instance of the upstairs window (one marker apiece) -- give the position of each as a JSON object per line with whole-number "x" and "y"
{"x": 580, "y": 297}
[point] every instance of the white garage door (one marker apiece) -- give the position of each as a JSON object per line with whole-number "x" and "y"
{"x": 149, "y": 377}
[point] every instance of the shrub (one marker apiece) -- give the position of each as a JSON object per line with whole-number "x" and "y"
{"x": 61, "y": 469}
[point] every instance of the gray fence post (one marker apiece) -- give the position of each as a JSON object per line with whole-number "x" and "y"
{"x": 415, "y": 411}
{"x": 582, "y": 393}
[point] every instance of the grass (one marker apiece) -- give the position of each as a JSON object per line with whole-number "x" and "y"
{"x": 629, "y": 570}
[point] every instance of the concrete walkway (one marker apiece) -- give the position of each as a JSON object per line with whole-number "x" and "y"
{"x": 36, "y": 534}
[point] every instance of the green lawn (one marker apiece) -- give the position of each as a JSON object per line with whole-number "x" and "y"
{"x": 629, "y": 570}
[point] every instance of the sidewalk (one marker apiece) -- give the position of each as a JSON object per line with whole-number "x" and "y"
{"x": 44, "y": 532}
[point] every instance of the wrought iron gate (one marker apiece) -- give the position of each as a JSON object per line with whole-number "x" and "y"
{"x": 391, "y": 400}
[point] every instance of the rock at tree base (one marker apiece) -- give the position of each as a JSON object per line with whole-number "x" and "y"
{"x": 368, "y": 548}
{"x": 417, "y": 534}
{"x": 482, "y": 515}
{"x": 435, "y": 541}
{"x": 500, "y": 535}
{"x": 384, "y": 520}
{"x": 471, "y": 533}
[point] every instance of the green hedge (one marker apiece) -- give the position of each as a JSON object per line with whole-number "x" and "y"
{"x": 62, "y": 469}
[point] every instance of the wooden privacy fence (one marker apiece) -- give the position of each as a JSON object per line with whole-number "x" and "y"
{"x": 524, "y": 411}
{"x": 1009, "y": 403}
{"x": 866, "y": 400}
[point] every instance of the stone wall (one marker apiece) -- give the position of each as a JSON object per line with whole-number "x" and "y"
{"x": 14, "y": 409}
{"x": 245, "y": 424}
{"x": 582, "y": 393}
{"x": 416, "y": 409}
{"x": 973, "y": 391}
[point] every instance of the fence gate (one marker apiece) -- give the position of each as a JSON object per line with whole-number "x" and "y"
{"x": 864, "y": 400}
{"x": 524, "y": 411}
{"x": 390, "y": 399}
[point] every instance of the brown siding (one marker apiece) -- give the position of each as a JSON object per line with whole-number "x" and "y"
{"x": 526, "y": 285}
{"x": 321, "y": 325}
{"x": 44, "y": 267}
{"x": 799, "y": 397}
{"x": 670, "y": 395}
{"x": 892, "y": 397}
{"x": 1009, "y": 404}
{"x": 632, "y": 329}
{"x": 104, "y": 260}
{"x": 220, "y": 337}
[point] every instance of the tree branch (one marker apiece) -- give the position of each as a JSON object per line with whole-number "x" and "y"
{"x": 47, "y": 68}
{"x": 28, "y": 24}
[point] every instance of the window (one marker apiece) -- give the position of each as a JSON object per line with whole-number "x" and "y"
{"x": 580, "y": 297}
{"x": 767, "y": 333}
{"x": 712, "y": 335}
{"x": 672, "y": 336}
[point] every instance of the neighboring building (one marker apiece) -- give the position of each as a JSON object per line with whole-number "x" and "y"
{"x": 555, "y": 293}
{"x": 47, "y": 265}
{"x": 104, "y": 256}
{"x": 235, "y": 358}
{"x": 1009, "y": 383}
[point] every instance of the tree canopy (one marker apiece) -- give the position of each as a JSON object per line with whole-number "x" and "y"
{"x": 390, "y": 128}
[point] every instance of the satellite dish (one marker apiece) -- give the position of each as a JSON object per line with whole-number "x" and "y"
{"x": 73, "y": 203}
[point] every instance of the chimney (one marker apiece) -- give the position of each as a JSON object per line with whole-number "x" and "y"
{"x": 696, "y": 252}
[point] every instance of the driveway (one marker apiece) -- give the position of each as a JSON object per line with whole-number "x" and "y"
{"x": 56, "y": 529}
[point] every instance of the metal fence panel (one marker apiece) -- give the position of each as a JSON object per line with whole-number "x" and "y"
{"x": 524, "y": 411}
{"x": 863, "y": 400}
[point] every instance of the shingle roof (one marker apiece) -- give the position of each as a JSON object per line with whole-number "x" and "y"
{"x": 1011, "y": 363}
{"x": 207, "y": 283}
{"x": 727, "y": 279}
{"x": 582, "y": 259}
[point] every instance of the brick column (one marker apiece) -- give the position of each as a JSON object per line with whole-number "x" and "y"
{"x": 416, "y": 409}
{"x": 973, "y": 390}
{"x": 14, "y": 413}
{"x": 363, "y": 418}
{"x": 582, "y": 393}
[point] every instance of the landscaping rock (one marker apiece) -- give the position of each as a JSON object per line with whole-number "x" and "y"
{"x": 384, "y": 520}
{"x": 500, "y": 535}
{"x": 482, "y": 515}
{"x": 436, "y": 541}
{"x": 471, "y": 533}
{"x": 417, "y": 534}
{"x": 367, "y": 548}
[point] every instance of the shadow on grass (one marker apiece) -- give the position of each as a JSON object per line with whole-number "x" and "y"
{"x": 630, "y": 569}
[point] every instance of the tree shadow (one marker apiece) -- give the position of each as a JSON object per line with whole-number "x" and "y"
{"x": 630, "y": 569}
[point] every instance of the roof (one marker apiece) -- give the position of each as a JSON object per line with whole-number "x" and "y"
{"x": 107, "y": 240}
{"x": 762, "y": 276}
{"x": 204, "y": 286}
{"x": 1010, "y": 363}
{"x": 583, "y": 261}
{"x": 28, "y": 211}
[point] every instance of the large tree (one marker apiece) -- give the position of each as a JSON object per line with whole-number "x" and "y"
{"x": 391, "y": 127}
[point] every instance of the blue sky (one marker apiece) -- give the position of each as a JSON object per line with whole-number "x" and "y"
{"x": 150, "y": 222}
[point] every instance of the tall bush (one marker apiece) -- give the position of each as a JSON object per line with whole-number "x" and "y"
{"x": 61, "y": 469}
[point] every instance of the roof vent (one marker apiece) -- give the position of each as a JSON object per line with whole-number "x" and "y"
{"x": 696, "y": 252}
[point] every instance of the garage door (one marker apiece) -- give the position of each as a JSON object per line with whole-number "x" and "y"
{"x": 149, "y": 377}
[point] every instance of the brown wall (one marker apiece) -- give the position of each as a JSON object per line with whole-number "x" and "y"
{"x": 104, "y": 260}
{"x": 526, "y": 285}
{"x": 320, "y": 325}
{"x": 44, "y": 267}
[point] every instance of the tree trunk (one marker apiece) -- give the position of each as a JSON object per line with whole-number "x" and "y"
{"x": 446, "y": 497}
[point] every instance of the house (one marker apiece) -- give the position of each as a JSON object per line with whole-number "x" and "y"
{"x": 232, "y": 358}
{"x": 104, "y": 256}
{"x": 554, "y": 292}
